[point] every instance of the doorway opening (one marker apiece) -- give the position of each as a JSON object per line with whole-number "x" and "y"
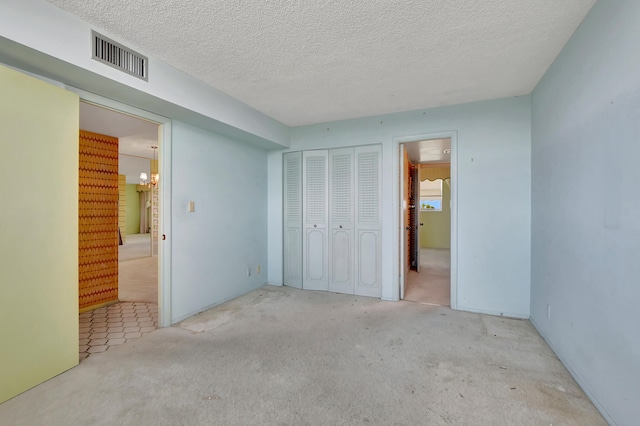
{"x": 130, "y": 309}
{"x": 426, "y": 221}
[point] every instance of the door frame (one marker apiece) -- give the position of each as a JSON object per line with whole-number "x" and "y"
{"x": 164, "y": 209}
{"x": 398, "y": 146}
{"x": 403, "y": 268}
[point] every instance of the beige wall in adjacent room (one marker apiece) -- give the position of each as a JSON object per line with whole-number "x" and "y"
{"x": 133, "y": 209}
{"x": 436, "y": 229}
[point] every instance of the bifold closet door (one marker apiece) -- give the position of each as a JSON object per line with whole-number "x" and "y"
{"x": 341, "y": 213}
{"x": 292, "y": 211}
{"x": 315, "y": 212}
{"x": 368, "y": 250}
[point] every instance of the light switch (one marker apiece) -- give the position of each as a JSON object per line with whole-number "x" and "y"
{"x": 192, "y": 206}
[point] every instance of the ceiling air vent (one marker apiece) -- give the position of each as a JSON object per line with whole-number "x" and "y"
{"x": 122, "y": 58}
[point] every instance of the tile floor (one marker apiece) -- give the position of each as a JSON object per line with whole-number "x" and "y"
{"x": 113, "y": 325}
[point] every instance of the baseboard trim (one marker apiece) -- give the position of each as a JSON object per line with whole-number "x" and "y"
{"x": 494, "y": 313}
{"x": 98, "y": 306}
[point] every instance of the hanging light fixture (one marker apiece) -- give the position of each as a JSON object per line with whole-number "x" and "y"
{"x": 143, "y": 178}
{"x": 155, "y": 177}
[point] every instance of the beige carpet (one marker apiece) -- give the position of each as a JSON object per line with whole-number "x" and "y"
{"x": 433, "y": 283}
{"x": 137, "y": 270}
{"x": 138, "y": 280}
{"x": 135, "y": 246}
{"x": 280, "y": 356}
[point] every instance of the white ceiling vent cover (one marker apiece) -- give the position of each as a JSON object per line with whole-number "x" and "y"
{"x": 119, "y": 57}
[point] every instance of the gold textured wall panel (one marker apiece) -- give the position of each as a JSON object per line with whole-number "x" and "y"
{"x": 98, "y": 220}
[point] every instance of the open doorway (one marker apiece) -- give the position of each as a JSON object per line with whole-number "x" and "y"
{"x": 132, "y": 310}
{"x": 426, "y": 215}
{"x": 138, "y": 250}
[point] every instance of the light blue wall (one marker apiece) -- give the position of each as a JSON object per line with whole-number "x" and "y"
{"x": 586, "y": 207}
{"x": 213, "y": 246}
{"x": 494, "y": 147}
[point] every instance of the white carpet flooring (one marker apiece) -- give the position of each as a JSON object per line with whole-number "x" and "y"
{"x": 433, "y": 283}
{"x": 280, "y": 356}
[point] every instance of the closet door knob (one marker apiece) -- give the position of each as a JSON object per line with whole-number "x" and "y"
{"x": 315, "y": 226}
{"x": 340, "y": 227}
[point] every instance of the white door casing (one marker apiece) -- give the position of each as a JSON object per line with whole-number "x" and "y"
{"x": 403, "y": 224}
{"x": 165, "y": 317}
{"x": 399, "y": 212}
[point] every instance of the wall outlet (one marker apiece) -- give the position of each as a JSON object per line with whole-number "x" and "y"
{"x": 548, "y": 311}
{"x": 249, "y": 271}
{"x": 258, "y": 269}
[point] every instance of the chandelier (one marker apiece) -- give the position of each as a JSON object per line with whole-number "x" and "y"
{"x": 155, "y": 177}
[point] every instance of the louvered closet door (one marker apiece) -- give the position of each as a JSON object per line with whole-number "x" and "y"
{"x": 293, "y": 219}
{"x": 315, "y": 201}
{"x": 341, "y": 212}
{"x": 368, "y": 183}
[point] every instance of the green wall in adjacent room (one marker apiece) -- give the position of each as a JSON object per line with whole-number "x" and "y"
{"x": 133, "y": 210}
{"x": 436, "y": 229}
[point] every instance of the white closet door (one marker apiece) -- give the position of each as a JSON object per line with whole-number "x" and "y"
{"x": 292, "y": 219}
{"x": 341, "y": 213}
{"x": 315, "y": 207}
{"x": 368, "y": 179}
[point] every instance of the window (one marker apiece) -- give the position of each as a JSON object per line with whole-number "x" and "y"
{"x": 431, "y": 195}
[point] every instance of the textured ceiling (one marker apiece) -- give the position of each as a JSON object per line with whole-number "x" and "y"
{"x": 429, "y": 151}
{"x": 135, "y": 136}
{"x": 304, "y": 62}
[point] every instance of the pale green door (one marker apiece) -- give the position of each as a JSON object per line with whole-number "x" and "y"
{"x": 38, "y": 231}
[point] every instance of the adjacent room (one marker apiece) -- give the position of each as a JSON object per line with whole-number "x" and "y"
{"x": 428, "y": 217}
{"x": 128, "y": 201}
